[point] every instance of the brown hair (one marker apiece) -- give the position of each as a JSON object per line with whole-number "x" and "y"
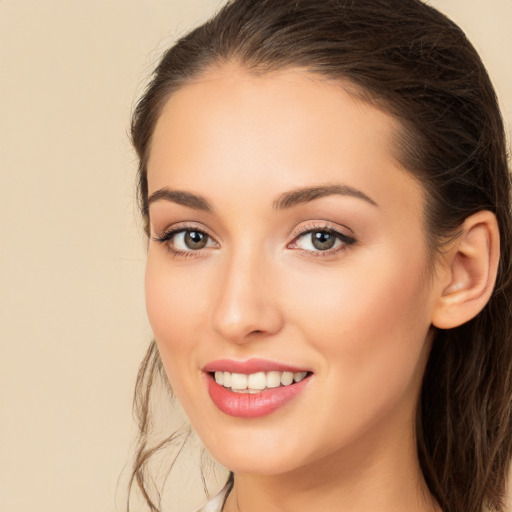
{"x": 410, "y": 60}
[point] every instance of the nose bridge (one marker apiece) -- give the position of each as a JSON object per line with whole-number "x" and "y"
{"x": 246, "y": 299}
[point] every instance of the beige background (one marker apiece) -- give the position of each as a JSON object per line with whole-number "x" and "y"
{"x": 72, "y": 318}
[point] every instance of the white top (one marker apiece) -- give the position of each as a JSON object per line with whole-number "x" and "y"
{"x": 217, "y": 502}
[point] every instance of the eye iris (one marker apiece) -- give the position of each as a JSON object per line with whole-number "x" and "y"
{"x": 195, "y": 239}
{"x": 323, "y": 240}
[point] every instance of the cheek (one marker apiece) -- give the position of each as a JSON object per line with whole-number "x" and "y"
{"x": 367, "y": 320}
{"x": 161, "y": 302}
{"x": 174, "y": 307}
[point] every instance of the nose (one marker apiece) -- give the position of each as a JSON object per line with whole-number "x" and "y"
{"x": 247, "y": 301}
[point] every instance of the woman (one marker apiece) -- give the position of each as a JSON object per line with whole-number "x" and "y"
{"x": 327, "y": 202}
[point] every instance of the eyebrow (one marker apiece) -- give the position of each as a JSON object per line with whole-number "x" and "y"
{"x": 304, "y": 195}
{"x": 286, "y": 200}
{"x": 180, "y": 197}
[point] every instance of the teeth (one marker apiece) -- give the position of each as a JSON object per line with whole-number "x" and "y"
{"x": 255, "y": 382}
{"x": 273, "y": 379}
{"x": 238, "y": 381}
{"x": 286, "y": 378}
{"x": 298, "y": 376}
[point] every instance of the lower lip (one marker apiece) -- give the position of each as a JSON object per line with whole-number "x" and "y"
{"x": 252, "y": 405}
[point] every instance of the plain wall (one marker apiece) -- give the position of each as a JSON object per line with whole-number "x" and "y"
{"x": 72, "y": 319}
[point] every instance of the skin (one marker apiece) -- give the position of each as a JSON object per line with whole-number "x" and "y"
{"x": 358, "y": 318}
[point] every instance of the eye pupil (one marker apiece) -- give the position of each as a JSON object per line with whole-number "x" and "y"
{"x": 323, "y": 240}
{"x": 195, "y": 239}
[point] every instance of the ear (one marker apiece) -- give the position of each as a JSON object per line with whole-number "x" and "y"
{"x": 467, "y": 272}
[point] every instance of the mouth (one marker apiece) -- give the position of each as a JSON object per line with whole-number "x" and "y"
{"x": 257, "y": 382}
{"x": 253, "y": 388}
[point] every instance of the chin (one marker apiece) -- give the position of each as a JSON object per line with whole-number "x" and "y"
{"x": 260, "y": 463}
{"x": 258, "y": 451}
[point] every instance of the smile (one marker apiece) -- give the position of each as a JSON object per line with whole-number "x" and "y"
{"x": 253, "y": 388}
{"x": 257, "y": 382}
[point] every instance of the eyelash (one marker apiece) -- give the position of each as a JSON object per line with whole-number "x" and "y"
{"x": 346, "y": 240}
{"x": 167, "y": 236}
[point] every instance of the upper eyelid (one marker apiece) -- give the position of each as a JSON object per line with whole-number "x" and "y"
{"x": 322, "y": 226}
{"x": 182, "y": 226}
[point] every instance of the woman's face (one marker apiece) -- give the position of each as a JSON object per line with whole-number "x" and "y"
{"x": 286, "y": 238}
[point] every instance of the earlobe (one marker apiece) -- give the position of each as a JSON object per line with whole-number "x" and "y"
{"x": 469, "y": 270}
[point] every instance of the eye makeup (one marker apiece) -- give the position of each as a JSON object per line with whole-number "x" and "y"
{"x": 185, "y": 240}
{"x": 319, "y": 239}
{"x": 312, "y": 240}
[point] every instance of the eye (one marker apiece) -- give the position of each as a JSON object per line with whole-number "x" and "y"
{"x": 190, "y": 240}
{"x": 180, "y": 240}
{"x": 322, "y": 240}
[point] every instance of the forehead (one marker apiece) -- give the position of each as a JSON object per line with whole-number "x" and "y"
{"x": 294, "y": 98}
{"x": 233, "y": 130}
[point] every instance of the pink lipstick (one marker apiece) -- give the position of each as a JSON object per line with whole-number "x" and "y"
{"x": 253, "y": 388}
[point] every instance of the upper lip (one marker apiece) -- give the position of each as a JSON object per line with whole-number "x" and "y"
{"x": 248, "y": 366}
